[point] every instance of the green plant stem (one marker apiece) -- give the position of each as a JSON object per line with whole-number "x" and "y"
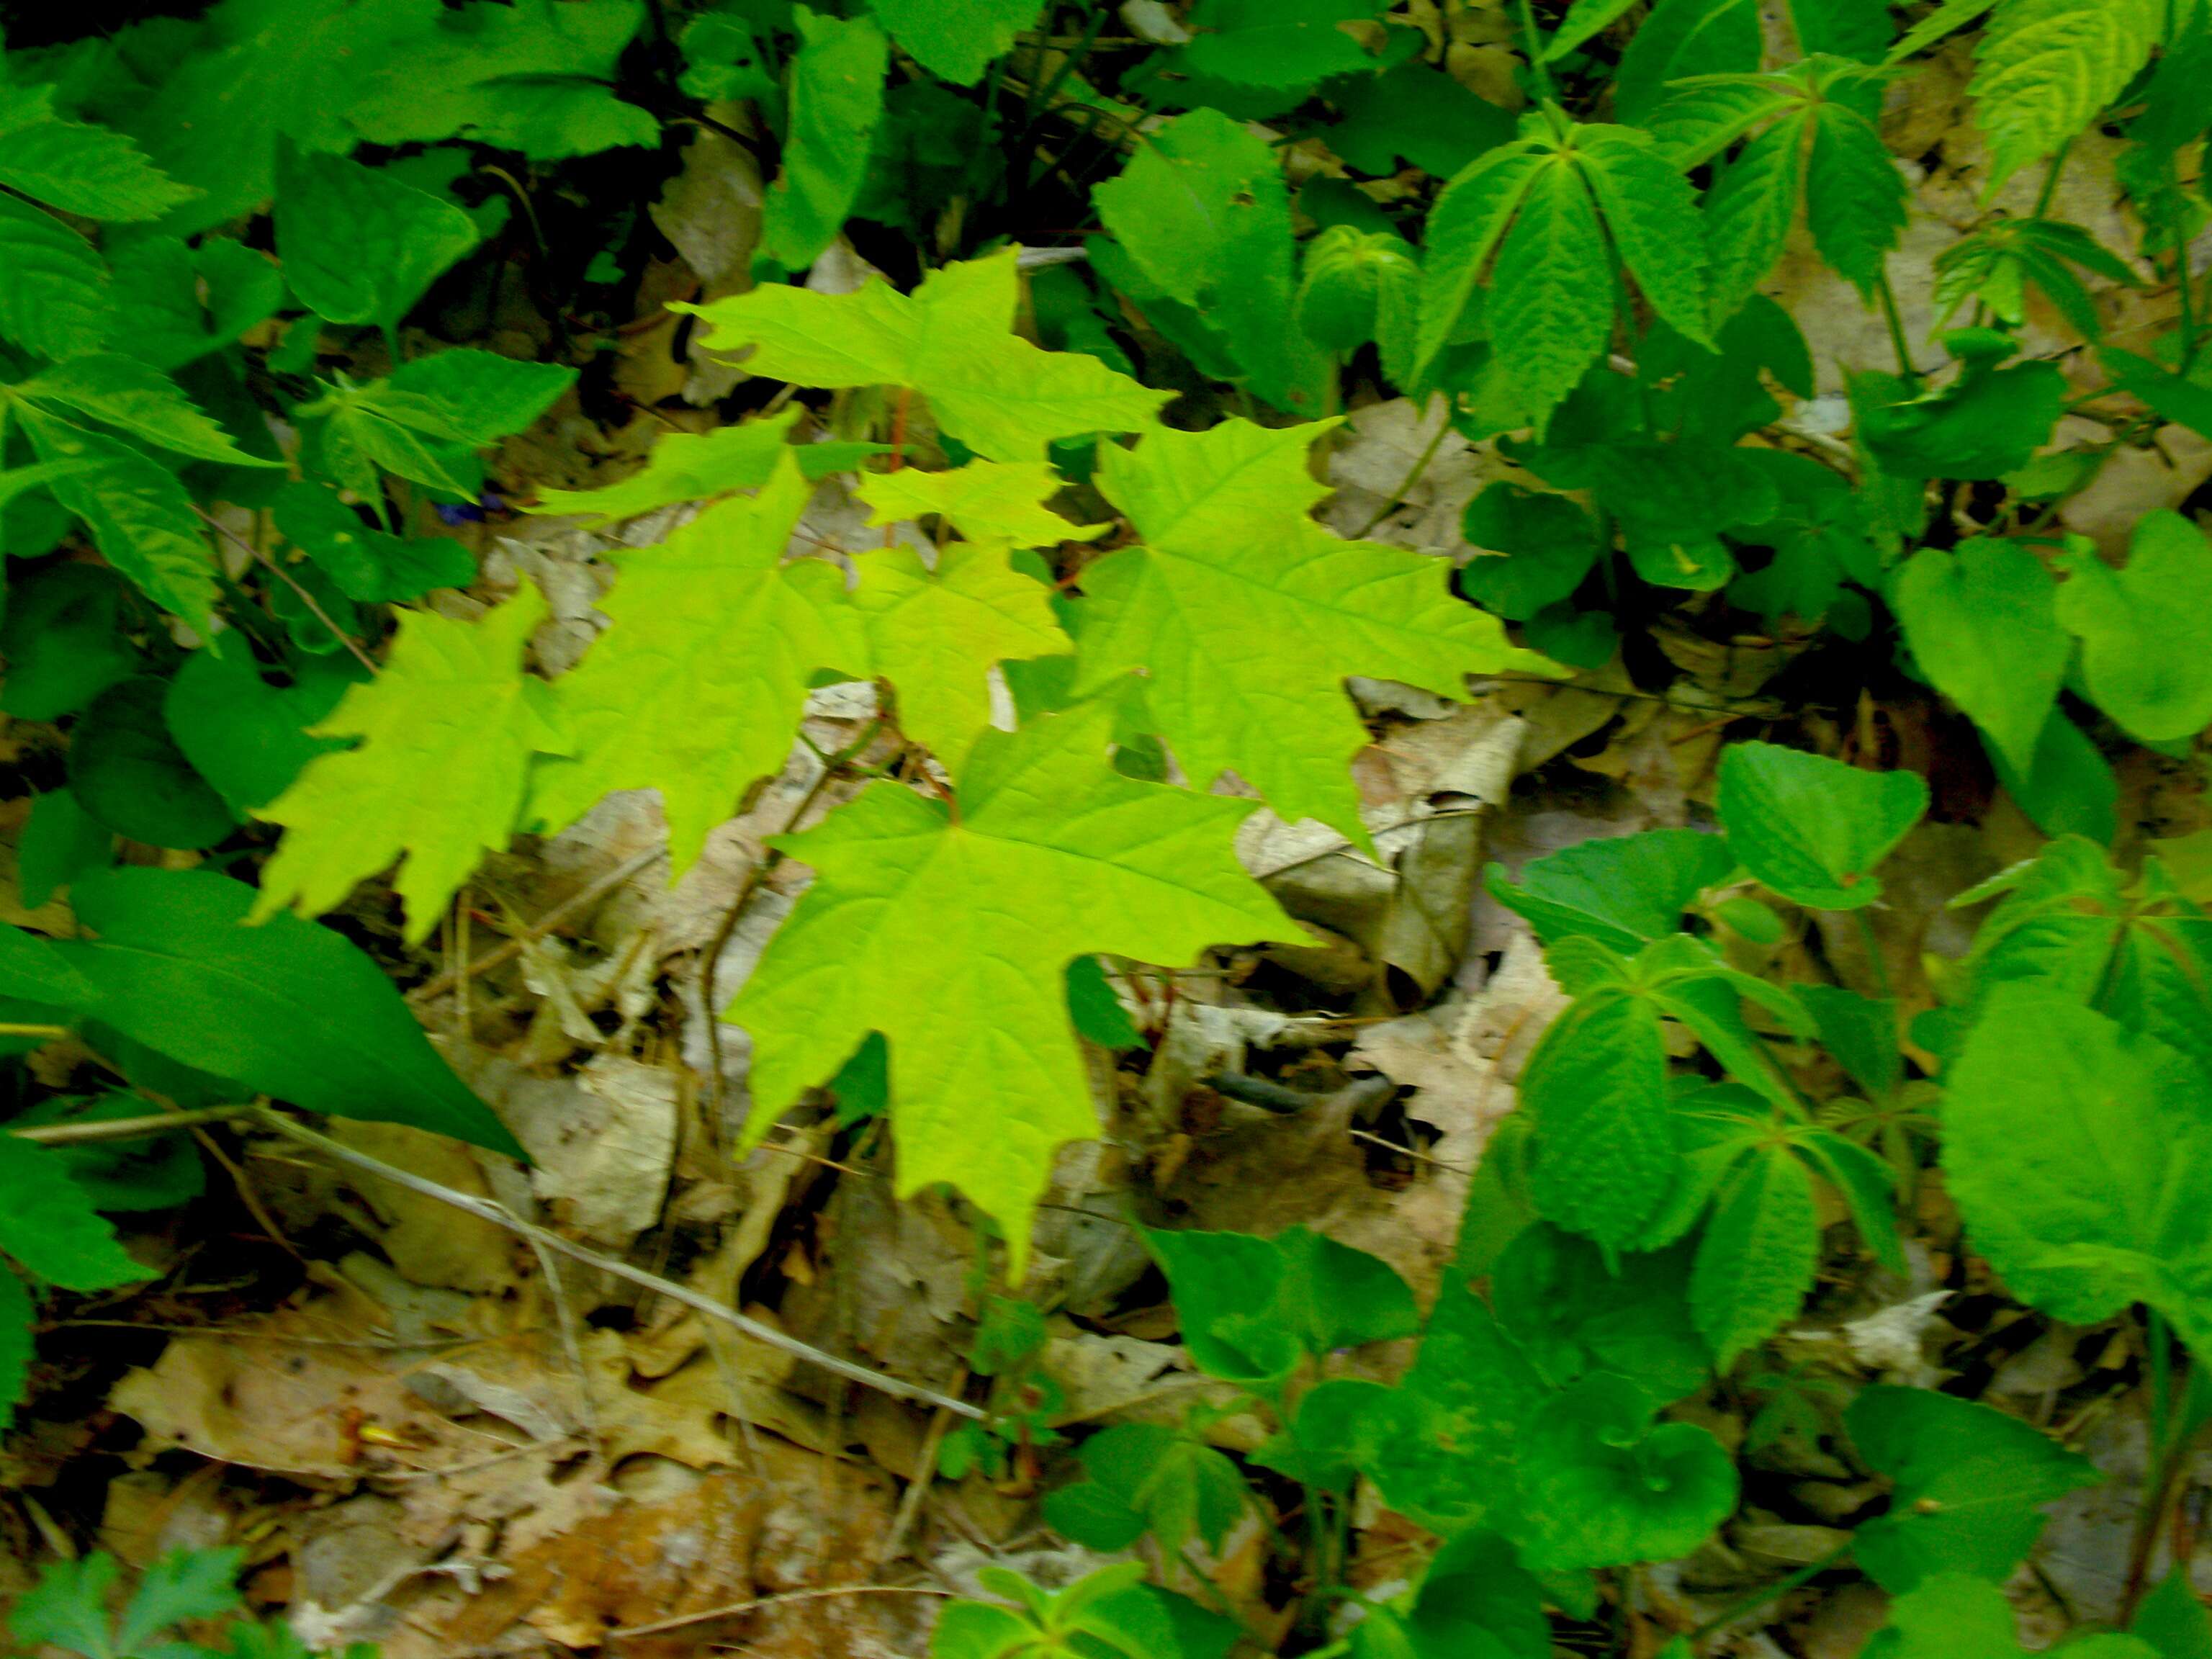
{"x": 2050, "y": 179}
{"x": 1774, "y": 1592}
{"x": 1896, "y": 321}
{"x": 2170, "y": 1434}
{"x": 49, "y": 1033}
{"x": 1397, "y": 497}
{"x": 1534, "y": 46}
{"x": 1874, "y": 961}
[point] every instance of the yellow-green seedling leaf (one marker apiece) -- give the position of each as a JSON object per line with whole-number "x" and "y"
{"x": 685, "y": 466}
{"x": 836, "y": 99}
{"x": 935, "y": 634}
{"x": 2146, "y": 628}
{"x": 1983, "y": 622}
{"x": 949, "y": 926}
{"x": 1601, "y": 1486}
{"x": 1247, "y": 616}
{"x": 698, "y": 685}
{"x": 2047, "y": 67}
{"x": 360, "y": 245}
{"x": 2079, "y": 1153}
{"x": 1970, "y": 1482}
{"x": 94, "y": 171}
{"x": 951, "y": 340}
{"x": 283, "y": 1007}
{"x": 955, "y": 43}
{"x": 48, "y": 1224}
{"x": 982, "y": 500}
{"x": 447, "y": 731}
{"x": 1812, "y": 829}
{"x": 126, "y": 394}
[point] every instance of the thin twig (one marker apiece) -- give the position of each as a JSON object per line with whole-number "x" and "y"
{"x": 125, "y": 1129}
{"x": 709, "y": 1615}
{"x": 285, "y": 576}
{"x": 490, "y": 1210}
{"x": 429, "y": 990}
{"x": 761, "y": 869}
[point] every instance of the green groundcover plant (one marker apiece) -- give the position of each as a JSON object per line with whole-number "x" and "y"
{"x": 1123, "y": 319}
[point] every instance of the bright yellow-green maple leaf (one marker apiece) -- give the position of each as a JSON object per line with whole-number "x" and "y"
{"x": 934, "y": 635}
{"x": 949, "y": 928}
{"x": 980, "y": 500}
{"x": 1246, "y": 616}
{"x": 951, "y": 340}
{"x": 448, "y": 730}
{"x": 699, "y": 682}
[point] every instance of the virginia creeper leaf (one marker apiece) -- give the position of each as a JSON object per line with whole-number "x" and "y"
{"x": 2146, "y": 628}
{"x": 1855, "y": 197}
{"x": 282, "y": 1007}
{"x": 1651, "y": 213}
{"x": 907, "y": 930}
{"x": 2173, "y": 1621}
{"x": 949, "y": 340}
{"x": 1231, "y": 560}
{"x": 1546, "y": 323}
{"x": 836, "y": 99}
{"x": 1969, "y": 1484}
{"x": 1983, "y": 623}
{"x": 936, "y": 634}
{"x": 1812, "y": 829}
{"x": 2079, "y": 1154}
{"x": 1681, "y": 39}
{"x": 1597, "y": 1089}
{"x": 447, "y": 731}
{"x": 2047, "y": 68}
{"x": 1464, "y": 229}
{"x": 715, "y": 622}
{"x": 1749, "y": 212}
{"x": 982, "y": 500}
{"x": 1760, "y": 1249}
